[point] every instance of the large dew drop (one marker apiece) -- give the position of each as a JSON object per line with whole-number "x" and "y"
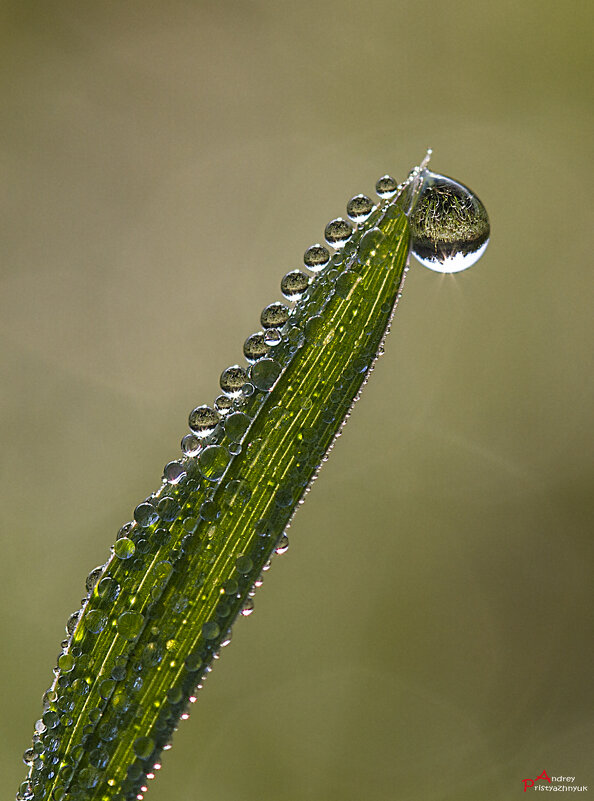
{"x": 449, "y": 224}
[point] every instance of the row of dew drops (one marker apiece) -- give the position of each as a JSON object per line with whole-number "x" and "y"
{"x": 200, "y": 448}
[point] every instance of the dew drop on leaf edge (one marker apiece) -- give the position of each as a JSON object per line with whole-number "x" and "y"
{"x": 449, "y": 225}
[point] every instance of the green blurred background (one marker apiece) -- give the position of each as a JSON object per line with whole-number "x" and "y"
{"x": 429, "y": 634}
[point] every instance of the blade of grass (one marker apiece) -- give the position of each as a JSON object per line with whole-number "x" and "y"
{"x": 162, "y": 606}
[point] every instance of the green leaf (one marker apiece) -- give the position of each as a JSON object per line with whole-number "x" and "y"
{"x": 163, "y": 604}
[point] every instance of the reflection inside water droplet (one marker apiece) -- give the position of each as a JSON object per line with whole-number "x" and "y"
{"x": 449, "y": 224}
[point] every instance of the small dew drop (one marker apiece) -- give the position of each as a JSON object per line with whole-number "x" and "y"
{"x": 449, "y": 224}
{"x": 203, "y": 420}
{"x": 213, "y": 462}
{"x": 236, "y": 425}
{"x": 294, "y": 284}
{"x": 283, "y": 545}
{"x": 93, "y": 577}
{"x": 168, "y": 509}
{"x": 210, "y": 630}
{"x": 66, "y": 663}
{"x": 124, "y": 548}
{"x": 143, "y": 747}
{"x": 247, "y": 608}
{"x": 386, "y": 187}
{"x": 190, "y": 445}
{"x": 295, "y": 338}
{"x": 338, "y": 232}
{"x": 223, "y": 404}
{"x": 264, "y": 374}
{"x": 369, "y": 244}
{"x": 232, "y": 381}
{"x": 145, "y": 514}
{"x": 174, "y": 472}
{"x": 126, "y": 530}
{"x": 95, "y": 621}
{"x": 129, "y": 624}
{"x": 72, "y": 622}
{"x": 316, "y": 258}
{"x": 255, "y": 347}
{"x": 345, "y": 283}
{"x": 273, "y": 337}
{"x": 274, "y": 316}
{"x": 359, "y": 208}
{"x": 209, "y": 511}
{"x": 244, "y": 565}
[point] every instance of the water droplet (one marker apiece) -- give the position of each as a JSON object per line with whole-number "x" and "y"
{"x": 274, "y": 316}
{"x": 174, "y": 472}
{"x": 209, "y": 511}
{"x": 168, "y": 509}
{"x": 231, "y": 586}
{"x": 232, "y": 380}
{"x": 338, "y": 232}
{"x": 95, "y": 621}
{"x": 88, "y": 778}
{"x": 314, "y": 328}
{"x": 283, "y": 545}
{"x": 190, "y": 445}
{"x": 345, "y": 282}
{"x": 369, "y": 244}
{"x": 237, "y": 493}
{"x": 203, "y": 420}
{"x": 273, "y": 337}
{"x": 106, "y": 689}
{"x": 284, "y": 497}
{"x": 99, "y": 757}
{"x": 223, "y": 404}
{"x": 265, "y": 373}
{"x": 145, "y": 515}
{"x": 255, "y": 347}
{"x": 25, "y": 791}
{"x": 190, "y": 524}
{"x": 213, "y": 462}
{"x": 263, "y": 528}
{"x": 210, "y": 630}
{"x": 386, "y": 187}
{"x": 359, "y": 208}
{"x": 247, "y": 608}
{"x": 162, "y": 571}
{"x": 129, "y": 624}
{"x": 244, "y": 565}
{"x": 449, "y": 224}
{"x": 108, "y": 589}
{"x": 144, "y": 747}
{"x": 294, "y": 284}
{"x": 295, "y": 338}
{"x": 126, "y": 530}
{"x": 71, "y": 623}
{"x": 175, "y": 695}
{"x": 236, "y": 425}
{"x": 93, "y": 577}
{"x": 124, "y": 548}
{"x": 316, "y": 257}
{"x": 66, "y": 663}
